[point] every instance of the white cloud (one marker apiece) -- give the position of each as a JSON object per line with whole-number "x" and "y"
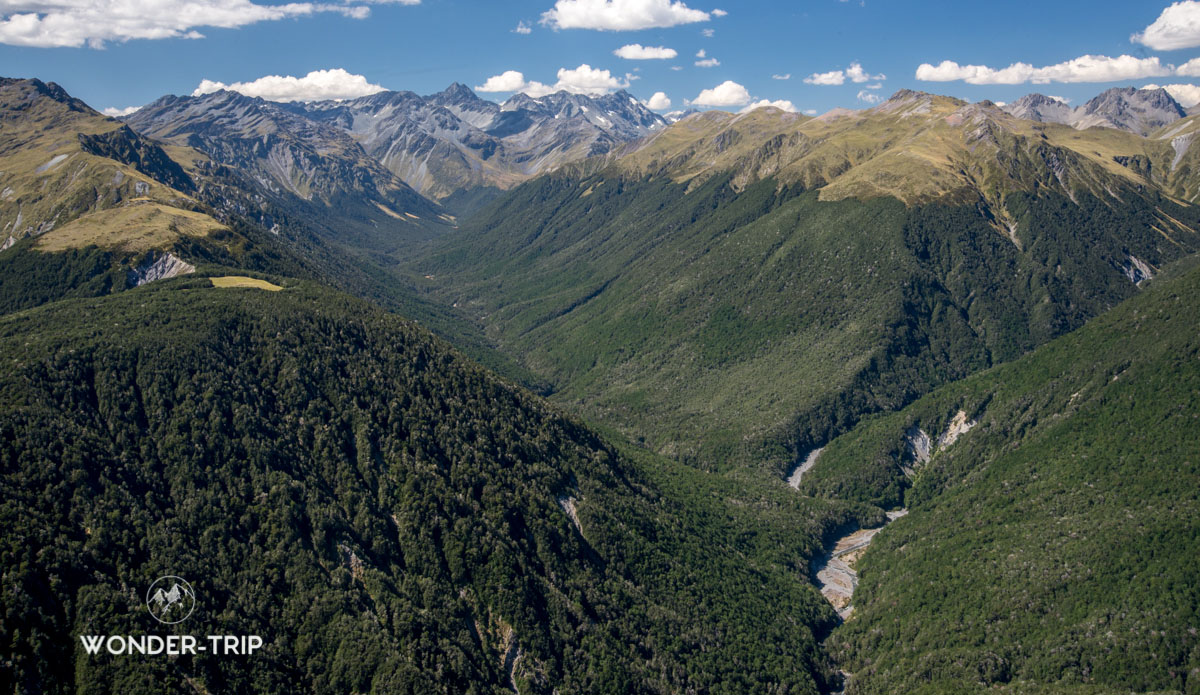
{"x": 587, "y": 80}
{"x": 810, "y": 112}
{"x": 636, "y": 51}
{"x": 779, "y": 104}
{"x": 315, "y": 86}
{"x": 676, "y": 68}
{"x": 782, "y": 77}
{"x": 658, "y": 102}
{"x": 728, "y": 93}
{"x": 507, "y": 81}
{"x": 708, "y": 63}
{"x": 523, "y": 28}
{"x": 1177, "y": 27}
{"x": 869, "y": 97}
{"x": 1063, "y": 100}
{"x": 1188, "y": 95}
{"x": 581, "y": 80}
{"x": 826, "y": 78}
{"x": 620, "y": 15}
{"x": 58, "y": 23}
{"x": 700, "y": 53}
{"x": 1087, "y": 68}
{"x": 708, "y": 33}
{"x": 116, "y": 113}
{"x": 855, "y": 73}
{"x": 719, "y": 13}
{"x": 1189, "y": 69}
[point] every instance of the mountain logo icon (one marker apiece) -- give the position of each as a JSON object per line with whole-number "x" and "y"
{"x": 170, "y": 600}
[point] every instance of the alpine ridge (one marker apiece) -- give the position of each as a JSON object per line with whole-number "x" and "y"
{"x": 453, "y": 141}
{"x": 1138, "y": 111}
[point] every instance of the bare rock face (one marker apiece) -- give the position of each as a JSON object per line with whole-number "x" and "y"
{"x": 1140, "y": 111}
{"x": 287, "y": 158}
{"x": 454, "y": 140}
{"x": 1041, "y": 108}
{"x": 159, "y": 266}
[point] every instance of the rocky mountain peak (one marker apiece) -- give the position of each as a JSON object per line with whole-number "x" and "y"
{"x": 14, "y": 93}
{"x": 1136, "y": 110}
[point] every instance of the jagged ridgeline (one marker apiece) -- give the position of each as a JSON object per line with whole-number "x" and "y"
{"x": 1056, "y": 539}
{"x": 741, "y": 288}
{"x": 89, "y": 207}
{"x": 388, "y": 516}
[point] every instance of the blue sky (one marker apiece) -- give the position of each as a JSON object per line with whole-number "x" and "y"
{"x": 119, "y": 53}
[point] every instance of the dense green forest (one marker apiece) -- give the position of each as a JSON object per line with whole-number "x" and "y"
{"x": 389, "y": 516}
{"x": 725, "y": 327}
{"x": 1052, "y": 547}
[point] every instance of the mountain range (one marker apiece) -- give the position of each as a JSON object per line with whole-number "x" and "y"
{"x": 1140, "y": 111}
{"x": 450, "y": 145}
{"x": 976, "y": 321}
{"x": 453, "y": 141}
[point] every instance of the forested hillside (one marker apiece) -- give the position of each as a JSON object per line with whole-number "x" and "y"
{"x": 1055, "y": 541}
{"x": 387, "y": 515}
{"x": 726, "y": 326}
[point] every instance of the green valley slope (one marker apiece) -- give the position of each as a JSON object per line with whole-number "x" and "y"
{"x": 742, "y": 288}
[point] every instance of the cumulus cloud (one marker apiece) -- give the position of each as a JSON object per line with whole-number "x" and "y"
{"x": 708, "y": 33}
{"x": 658, "y": 102}
{"x": 826, "y": 78}
{"x": 636, "y": 51}
{"x": 1177, "y": 27}
{"x": 59, "y": 23}
{"x": 869, "y": 97}
{"x": 315, "y": 86}
{"x": 581, "y": 80}
{"x": 728, "y": 93}
{"x": 588, "y": 80}
{"x": 117, "y": 113}
{"x": 523, "y": 28}
{"x": 708, "y": 63}
{"x": 788, "y": 76}
{"x": 719, "y": 13}
{"x": 855, "y": 73}
{"x": 1188, "y": 95}
{"x": 620, "y": 15}
{"x": 779, "y": 104}
{"x": 810, "y": 112}
{"x": 1189, "y": 69}
{"x": 507, "y": 81}
{"x": 1088, "y": 68}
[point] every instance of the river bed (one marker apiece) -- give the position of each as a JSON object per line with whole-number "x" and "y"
{"x": 836, "y": 575}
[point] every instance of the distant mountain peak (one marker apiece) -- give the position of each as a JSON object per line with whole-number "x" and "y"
{"x": 907, "y": 102}
{"x": 454, "y": 140}
{"x": 1134, "y": 110}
